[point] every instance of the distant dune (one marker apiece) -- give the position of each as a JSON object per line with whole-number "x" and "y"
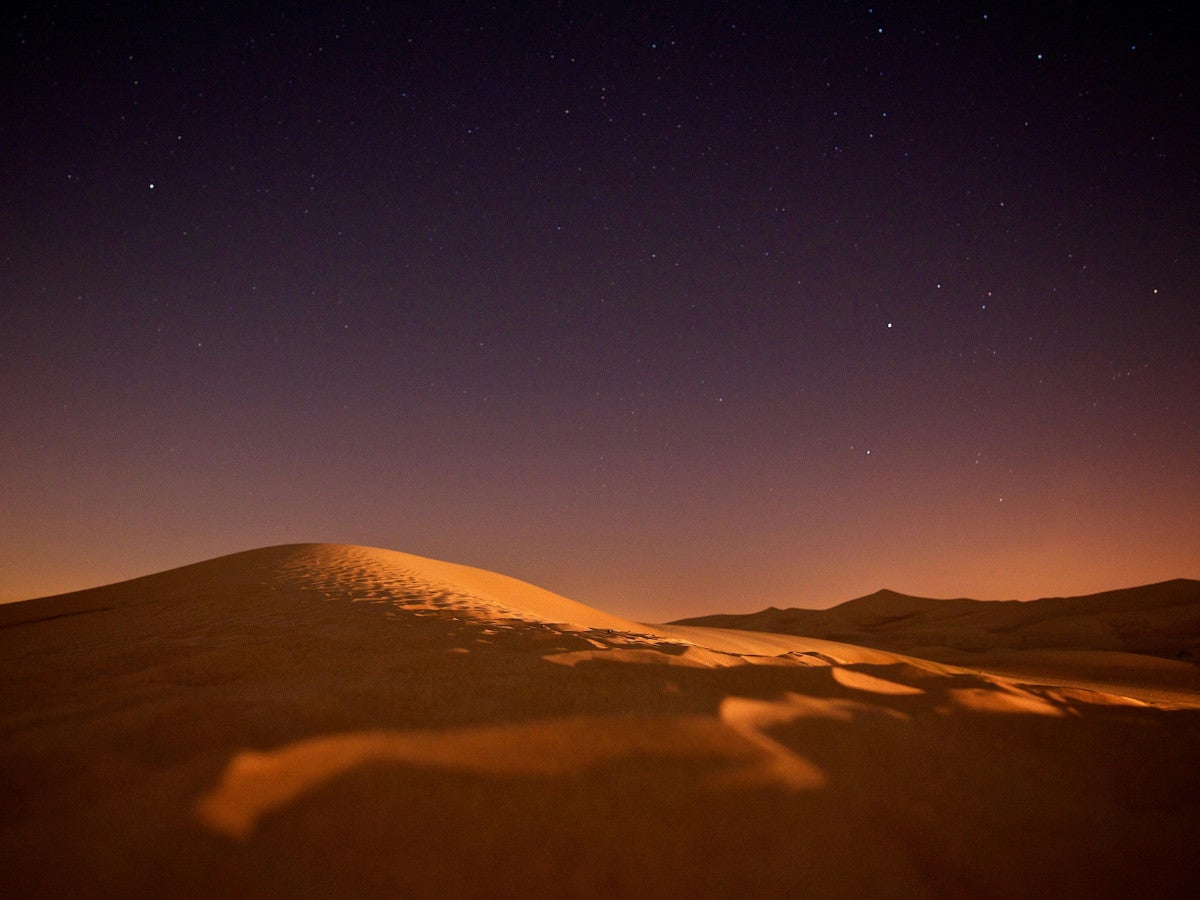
{"x": 1158, "y": 619}
{"x": 334, "y": 720}
{"x": 1103, "y": 639}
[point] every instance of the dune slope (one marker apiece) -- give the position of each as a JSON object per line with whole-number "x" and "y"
{"x": 343, "y": 721}
{"x": 1157, "y": 619}
{"x": 334, "y": 571}
{"x": 1143, "y": 640}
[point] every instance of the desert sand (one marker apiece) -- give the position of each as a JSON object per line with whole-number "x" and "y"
{"x": 328, "y": 720}
{"x": 1143, "y": 641}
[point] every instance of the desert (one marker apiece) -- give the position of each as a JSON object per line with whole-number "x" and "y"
{"x": 587, "y": 449}
{"x": 335, "y": 720}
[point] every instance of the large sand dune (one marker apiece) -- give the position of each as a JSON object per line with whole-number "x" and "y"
{"x": 330, "y": 720}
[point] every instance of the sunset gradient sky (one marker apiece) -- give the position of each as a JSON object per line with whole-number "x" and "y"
{"x": 672, "y": 313}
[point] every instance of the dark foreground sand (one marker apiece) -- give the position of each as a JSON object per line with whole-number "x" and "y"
{"x": 327, "y": 720}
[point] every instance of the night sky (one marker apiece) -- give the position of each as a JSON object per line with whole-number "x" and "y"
{"x": 669, "y": 311}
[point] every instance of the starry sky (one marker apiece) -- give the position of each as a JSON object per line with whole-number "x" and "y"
{"x": 671, "y": 311}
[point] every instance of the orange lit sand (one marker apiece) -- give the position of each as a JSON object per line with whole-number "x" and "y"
{"x": 329, "y": 720}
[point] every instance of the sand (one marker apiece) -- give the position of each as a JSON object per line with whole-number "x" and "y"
{"x": 1142, "y": 641}
{"x": 330, "y": 720}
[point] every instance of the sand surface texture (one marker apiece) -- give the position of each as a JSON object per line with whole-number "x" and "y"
{"x": 337, "y": 721}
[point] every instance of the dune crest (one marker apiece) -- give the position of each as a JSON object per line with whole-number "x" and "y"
{"x": 370, "y": 574}
{"x": 341, "y": 572}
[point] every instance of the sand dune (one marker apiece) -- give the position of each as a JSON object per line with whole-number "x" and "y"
{"x": 1158, "y": 619}
{"x": 345, "y": 721}
{"x": 1143, "y": 640}
{"x": 343, "y": 572}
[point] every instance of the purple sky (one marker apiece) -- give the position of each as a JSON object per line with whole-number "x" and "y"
{"x": 670, "y": 312}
